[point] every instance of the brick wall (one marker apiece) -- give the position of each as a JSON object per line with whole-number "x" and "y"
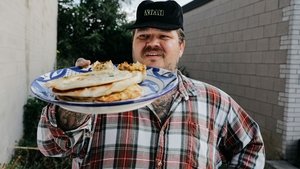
{"x": 27, "y": 49}
{"x": 250, "y": 49}
{"x": 289, "y": 126}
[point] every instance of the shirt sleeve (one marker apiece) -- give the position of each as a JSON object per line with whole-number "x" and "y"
{"x": 243, "y": 142}
{"x": 53, "y": 141}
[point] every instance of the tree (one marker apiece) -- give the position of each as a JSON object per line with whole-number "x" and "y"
{"x": 92, "y": 29}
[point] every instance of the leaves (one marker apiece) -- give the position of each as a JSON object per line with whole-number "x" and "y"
{"x": 31, "y": 116}
{"x": 92, "y": 29}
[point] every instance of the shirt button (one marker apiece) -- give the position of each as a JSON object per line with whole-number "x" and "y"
{"x": 159, "y": 163}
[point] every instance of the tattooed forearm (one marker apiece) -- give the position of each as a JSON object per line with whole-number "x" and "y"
{"x": 68, "y": 120}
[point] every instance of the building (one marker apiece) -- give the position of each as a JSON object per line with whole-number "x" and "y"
{"x": 251, "y": 50}
{"x": 27, "y": 50}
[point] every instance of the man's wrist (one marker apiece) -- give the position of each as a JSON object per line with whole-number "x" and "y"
{"x": 68, "y": 120}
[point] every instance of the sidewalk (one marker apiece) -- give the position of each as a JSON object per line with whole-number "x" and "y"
{"x": 279, "y": 165}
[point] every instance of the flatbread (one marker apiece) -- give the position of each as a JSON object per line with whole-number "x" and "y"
{"x": 132, "y": 92}
{"x": 94, "y": 78}
{"x": 100, "y": 90}
{"x": 105, "y": 83}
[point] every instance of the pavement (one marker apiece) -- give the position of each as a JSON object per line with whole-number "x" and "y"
{"x": 280, "y": 164}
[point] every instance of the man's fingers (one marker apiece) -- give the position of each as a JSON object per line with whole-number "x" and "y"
{"x": 81, "y": 62}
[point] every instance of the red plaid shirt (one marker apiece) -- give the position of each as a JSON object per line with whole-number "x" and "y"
{"x": 205, "y": 128}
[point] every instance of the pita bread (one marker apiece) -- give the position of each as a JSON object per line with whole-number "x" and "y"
{"x": 131, "y": 92}
{"x": 104, "y": 83}
{"x": 101, "y": 90}
{"x": 94, "y": 78}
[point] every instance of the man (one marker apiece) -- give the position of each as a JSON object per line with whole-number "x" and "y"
{"x": 194, "y": 126}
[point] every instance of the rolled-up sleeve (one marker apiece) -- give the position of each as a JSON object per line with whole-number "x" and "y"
{"x": 53, "y": 141}
{"x": 244, "y": 140}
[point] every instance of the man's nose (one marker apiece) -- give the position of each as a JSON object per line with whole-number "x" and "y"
{"x": 153, "y": 42}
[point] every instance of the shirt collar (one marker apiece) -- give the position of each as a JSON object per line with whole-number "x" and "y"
{"x": 186, "y": 86}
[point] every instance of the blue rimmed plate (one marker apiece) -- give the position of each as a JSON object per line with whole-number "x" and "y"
{"x": 157, "y": 83}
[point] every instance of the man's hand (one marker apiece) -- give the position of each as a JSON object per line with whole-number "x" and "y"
{"x": 81, "y": 62}
{"x": 68, "y": 120}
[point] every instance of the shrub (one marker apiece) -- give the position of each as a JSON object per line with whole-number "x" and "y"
{"x": 26, "y": 155}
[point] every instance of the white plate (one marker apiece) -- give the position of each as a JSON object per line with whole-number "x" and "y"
{"x": 157, "y": 83}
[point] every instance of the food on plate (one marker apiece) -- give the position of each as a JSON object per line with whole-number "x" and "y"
{"x": 131, "y": 92}
{"x": 98, "y": 66}
{"x": 105, "y": 83}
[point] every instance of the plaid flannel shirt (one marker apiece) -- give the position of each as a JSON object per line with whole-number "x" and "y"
{"x": 205, "y": 128}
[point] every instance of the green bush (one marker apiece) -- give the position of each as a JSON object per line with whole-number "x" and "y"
{"x": 26, "y": 155}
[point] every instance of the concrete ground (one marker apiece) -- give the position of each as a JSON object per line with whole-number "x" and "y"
{"x": 279, "y": 165}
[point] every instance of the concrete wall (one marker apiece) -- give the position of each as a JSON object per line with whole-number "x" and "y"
{"x": 250, "y": 49}
{"x": 27, "y": 49}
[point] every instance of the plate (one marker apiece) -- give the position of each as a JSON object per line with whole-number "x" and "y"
{"x": 157, "y": 83}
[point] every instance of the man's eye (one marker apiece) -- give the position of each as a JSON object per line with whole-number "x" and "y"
{"x": 142, "y": 36}
{"x": 165, "y": 37}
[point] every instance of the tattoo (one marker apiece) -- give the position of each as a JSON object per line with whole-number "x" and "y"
{"x": 68, "y": 120}
{"x": 163, "y": 105}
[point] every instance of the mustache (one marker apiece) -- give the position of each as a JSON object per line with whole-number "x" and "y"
{"x": 150, "y": 48}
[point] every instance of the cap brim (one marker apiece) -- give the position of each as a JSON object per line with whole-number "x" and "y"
{"x": 154, "y": 25}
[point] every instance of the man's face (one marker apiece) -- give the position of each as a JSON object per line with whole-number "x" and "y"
{"x": 157, "y": 48}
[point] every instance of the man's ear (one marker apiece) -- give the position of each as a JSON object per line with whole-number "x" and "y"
{"x": 182, "y": 47}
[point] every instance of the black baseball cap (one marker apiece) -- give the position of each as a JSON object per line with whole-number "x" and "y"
{"x": 160, "y": 14}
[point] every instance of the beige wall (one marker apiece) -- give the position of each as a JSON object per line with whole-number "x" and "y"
{"x": 250, "y": 49}
{"x": 27, "y": 49}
